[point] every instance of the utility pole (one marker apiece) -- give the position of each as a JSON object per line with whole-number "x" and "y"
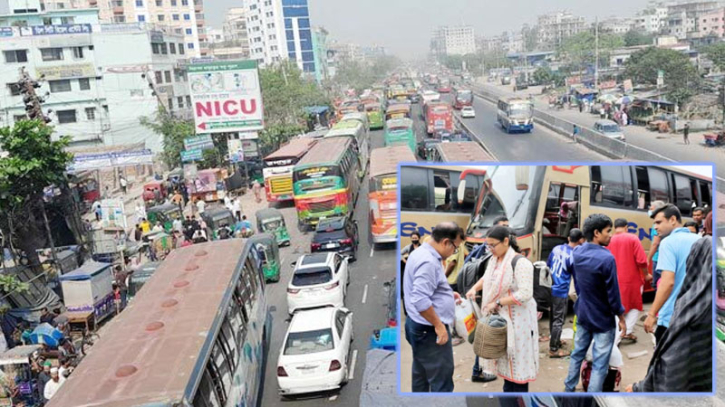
{"x": 596, "y": 53}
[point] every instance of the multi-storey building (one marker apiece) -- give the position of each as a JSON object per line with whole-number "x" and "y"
{"x": 616, "y": 25}
{"x": 185, "y": 17}
{"x": 554, "y": 28}
{"x": 460, "y": 40}
{"x": 232, "y": 41}
{"x": 684, "y": 19}
{"x": 320, "y": 47}
{"x": 651, "y": 20}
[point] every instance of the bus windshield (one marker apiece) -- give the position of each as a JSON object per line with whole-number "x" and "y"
{"x": 387, "y": 182}
{"x": 504, "y": 199}
{"x": 316, "y": 178}
{"x": 521, "y": 110}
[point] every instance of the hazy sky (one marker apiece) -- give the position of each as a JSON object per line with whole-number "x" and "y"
{"x": 405, "y": 26}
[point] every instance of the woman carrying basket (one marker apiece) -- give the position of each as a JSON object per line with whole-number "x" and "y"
{"x": 508, "y": 289}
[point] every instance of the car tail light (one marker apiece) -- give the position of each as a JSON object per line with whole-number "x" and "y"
{"x": 281, "y": 372}
{"x": 293, "y": 291}
{"x": 316, "y": 246}
{"x": 346, "y": 241}
{"x": 331, "y": 286}
{"x": 334, "y": 365}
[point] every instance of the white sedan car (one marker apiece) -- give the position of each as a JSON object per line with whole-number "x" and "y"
{"x": 319, "y": 280}
{"x": 315, "y": 354}
{"x": 468, "y": 112}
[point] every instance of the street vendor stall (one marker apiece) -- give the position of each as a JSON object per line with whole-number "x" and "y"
{"x": 89, "y": 288}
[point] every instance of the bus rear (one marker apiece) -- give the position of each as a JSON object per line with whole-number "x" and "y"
{"x": 319, "y": 191}
{"x": 463, "y": 98}
{"x": 278, "y": 167}
{"x": 439, "y": 118}
{"x": 400, "y": 132}
{"x": 383, "y": 191}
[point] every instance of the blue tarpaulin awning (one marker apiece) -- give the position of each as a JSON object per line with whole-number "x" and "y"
{"x": 316, "y": 109}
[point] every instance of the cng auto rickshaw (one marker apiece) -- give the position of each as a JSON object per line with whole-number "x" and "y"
{"x": 154, "y": 192}
{"x": 270, "y": 220}
{"x": 166, "y": 214}
{"x": 19, "y": 383}
{"x": 268, "y": 250}
{"x": 218, "y": 218}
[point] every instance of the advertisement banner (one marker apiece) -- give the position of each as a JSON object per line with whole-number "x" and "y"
{"x": 608, "y": 84}
{"x": 88, "y": 162}
{"x": 202, "y": 142}
{"x": 56, "y": 29}
{"x": 226, "y": 97}
{"x": 66, "y": 71}
{"x": 112, "y": 213}
{"x": 191, "y": 155}
{"x": 628, "y": 85}
{"x": 250, "y": 148}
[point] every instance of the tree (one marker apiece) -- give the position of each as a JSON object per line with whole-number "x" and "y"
{"x": 173, "y": 131}
{"x": 634, "y": 37}
{"x": 580, "y": 49}
{"x": 716, "y": 54}
{"x": 33, "y": 162}
{"x": 680, "y": 76}
{"x": 531, "y": 38}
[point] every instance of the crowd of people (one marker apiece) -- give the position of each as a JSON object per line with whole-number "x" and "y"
{"x": 602, "y": 267}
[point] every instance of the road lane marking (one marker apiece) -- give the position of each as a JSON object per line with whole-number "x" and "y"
{"x": 365, "y": 294}
{"x": 372, "y": 251}
{"x": 352, "y": 366}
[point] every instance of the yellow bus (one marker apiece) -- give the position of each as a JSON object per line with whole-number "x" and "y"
{"x": 383, "y": 191}
{"x": 532, "y": 196}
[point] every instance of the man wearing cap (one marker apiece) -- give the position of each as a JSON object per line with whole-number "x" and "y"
{"x": 53, "y": 385}
{"x": 44, "y": 376}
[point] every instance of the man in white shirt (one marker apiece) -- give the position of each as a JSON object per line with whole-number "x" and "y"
{"x": 200, "y": 206}
{"x": 237, "y": 208}
{"x": 178, "y": 226}
{"x": 53, "y": 384}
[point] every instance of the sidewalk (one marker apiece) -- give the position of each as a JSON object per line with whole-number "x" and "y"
{"x": 552, "y": 372}
{"x": 669, "y": 145}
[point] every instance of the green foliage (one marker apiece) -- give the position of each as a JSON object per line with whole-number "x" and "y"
{"x": 716, "y": 53}
{"x": 545, "y": 76}
{"x": 173, "y": 131}
{"x": 363, "y": 75}
{"x": 634, "y": 38}
{"x": 275, "y": 135}
{"x": 580, "y": 49}
{"x": 680, "y": 76}
{"x": 11, "y": 284}
{"x": 474, "y": 62}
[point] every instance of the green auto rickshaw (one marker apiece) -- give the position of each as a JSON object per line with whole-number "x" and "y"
{"x": 270, "y": 220}
{"x": 166, "y": 214}
{"x": 268, "y": 250}
{"x": 218, "y": 218}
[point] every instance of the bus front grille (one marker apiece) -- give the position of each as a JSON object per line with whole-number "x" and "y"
{"x": 281, "y": 185}
{"x": 324, "y": 206}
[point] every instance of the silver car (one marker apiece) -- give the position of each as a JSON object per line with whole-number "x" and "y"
{"x": 610, "y": 129}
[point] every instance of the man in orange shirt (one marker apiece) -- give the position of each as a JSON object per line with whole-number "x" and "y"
{"x": 631, "y": 272}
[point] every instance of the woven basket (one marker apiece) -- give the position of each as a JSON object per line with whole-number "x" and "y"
{"x": 490, "y": 342}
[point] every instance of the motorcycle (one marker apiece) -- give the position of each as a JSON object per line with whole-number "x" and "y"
{"x": 714, "y": 140}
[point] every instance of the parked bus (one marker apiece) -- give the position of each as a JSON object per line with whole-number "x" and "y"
{"x": 400, "y": 131}
{"x": 529, "y": 194}
{"x": 463, "y": 97}
{"x": 383, "y": 191}
{"x": 278, "y": 168}
{"x": 398, "y": 111}
{"x": 438, "y": 116}
{"x": 357, "y": 131}
{"x": 166, "y": 349}
{"x": 516, "y": 114}
{"x": 326, "y": 180}
{"x": 375, "y": 115}
{"x": 460, "y": 151}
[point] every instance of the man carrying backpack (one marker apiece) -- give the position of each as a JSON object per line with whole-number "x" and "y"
{"x": 473, "y": 269}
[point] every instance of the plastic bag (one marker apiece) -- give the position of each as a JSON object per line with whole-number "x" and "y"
{"x": 466, "y": 320}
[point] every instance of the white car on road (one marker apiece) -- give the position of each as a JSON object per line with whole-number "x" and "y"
{"x": 319, "y": 280}
{"x": 315, "y": 354}
{"x": 430, "y": 96}
{"x": 467, "y": 112}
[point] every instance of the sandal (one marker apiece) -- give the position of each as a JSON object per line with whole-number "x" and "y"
{"x": 630, "y": 337}
{"x": 544, "y": 338}
{"x": 559, "y": 354}
{"x": 456, "y": 341}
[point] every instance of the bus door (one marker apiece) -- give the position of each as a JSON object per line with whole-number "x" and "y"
{"x": 556, "y": 222}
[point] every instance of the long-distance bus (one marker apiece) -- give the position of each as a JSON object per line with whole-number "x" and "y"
{"x": 376, "y": 116}
{"x": 194, "y": 336}
{"x": 438, "y": 117}
{"x": 326, "y": 180}
{"x": 400, "y": 131}
{"x": 463, "y": 97}
{"x": 278, "y": 168}
{"x": 460, "y": 151}
{"x": 383, "y": 192}
{"x": 357, "y": 131}
{"x": 516, "y": 114}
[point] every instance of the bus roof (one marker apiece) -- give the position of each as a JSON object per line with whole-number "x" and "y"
{"x": 398, "y": 108}
{"x": 151, "y": 352}
{"x": 294, "y": 148}
{"x": 400, "y": 122}
{"x": 348, "y": 122}
{"x": 463, "y": 151}
{"x": 385, "y": 160}
{"x": 515, "y": 100}
{"x": 327, "y": 150}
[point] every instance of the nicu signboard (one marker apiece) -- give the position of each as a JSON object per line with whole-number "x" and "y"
{"x": 226, "y": 97}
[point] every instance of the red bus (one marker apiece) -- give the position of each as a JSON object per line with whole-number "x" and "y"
{"x": 438, "y": 116}
{"x": 463, "y": 97}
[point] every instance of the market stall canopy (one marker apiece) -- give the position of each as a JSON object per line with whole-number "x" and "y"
{"x": 18, "y": 354}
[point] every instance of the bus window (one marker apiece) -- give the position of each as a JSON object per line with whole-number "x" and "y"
{"x": 414, "y": 189}
{"x": 206, "y": 396}
{"x": 683, "y": 194}
{"x": 442, "y": 191}
{"x": 659, "y": 191}
{"x": 696, "y": 201}
{"x": 552, "y": 199}
{"x": 611, "y": 186}
{"x": 705, "y": 193}
{"x": 470, "y": 195}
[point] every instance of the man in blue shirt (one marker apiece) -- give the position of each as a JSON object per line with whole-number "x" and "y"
{"x": 430, "y": 302}
{"x": 595, "y": 278}
{"x": 558, "y": 263}
{"x": 672, "y": 265}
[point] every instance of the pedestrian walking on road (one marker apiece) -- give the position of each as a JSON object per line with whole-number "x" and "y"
{"x": 237, "y": 208}
{"x": 430, "y": 303}
{"x": 631, "y": 273}
{"x": 124, "y": 184}
{"x": 558, "y": 262}
{"x": 598, "y": 303}
{"x": 257, "y": 188}
{"x": 508, "y": 289}
{"x": 575, "y": 132}
{"x": 677, "y": 241}
{"x": 200, "y": 206}
{"x": 686, "y": 133}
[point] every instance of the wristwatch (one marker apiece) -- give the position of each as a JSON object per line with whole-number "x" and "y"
{"x": 498, "y": 303}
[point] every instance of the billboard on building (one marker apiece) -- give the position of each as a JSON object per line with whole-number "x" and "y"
{"x": 226, "y": 97}
{"x": 57, "y": 72}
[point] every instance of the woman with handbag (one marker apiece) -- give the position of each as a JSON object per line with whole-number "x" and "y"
{"x": 508, "y": 289}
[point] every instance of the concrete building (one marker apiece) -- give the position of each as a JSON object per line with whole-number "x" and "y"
{"x": 616, "y": 25}
{"x": 711, "y": 23}
{"x": 131, "y": 57}
{"x": 320, "y": 38}
{"x": 234, "y": 37}
{"x": 459, "y": 40}
{"x": 653, "y": 19}
{"x": 554, "y": 28}
{"x": 185, "y": 17}
{"x": 684, "y": 20}
{"x": 214, "y": 35}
